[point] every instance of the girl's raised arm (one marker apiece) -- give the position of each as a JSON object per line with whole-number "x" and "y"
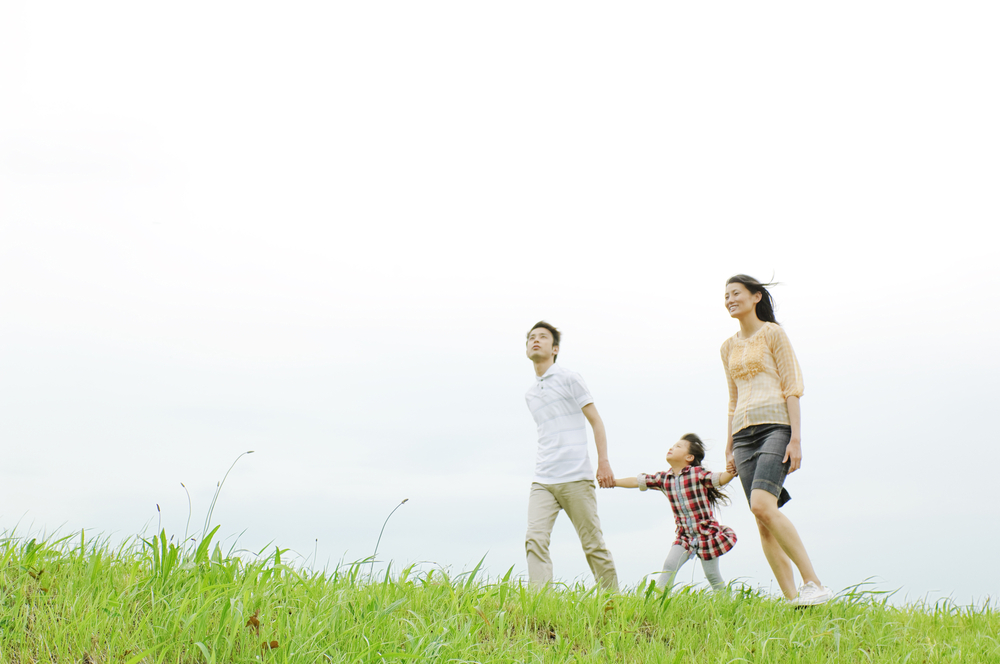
{"x": 627, "y": 482}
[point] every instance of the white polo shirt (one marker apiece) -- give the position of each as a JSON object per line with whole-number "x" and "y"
{"x": 555, "y": 401}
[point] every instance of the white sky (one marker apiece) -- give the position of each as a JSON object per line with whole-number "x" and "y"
{"x": 321, "y": 231}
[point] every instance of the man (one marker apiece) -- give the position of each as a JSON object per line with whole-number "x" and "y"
{"x": 564, "y": 479}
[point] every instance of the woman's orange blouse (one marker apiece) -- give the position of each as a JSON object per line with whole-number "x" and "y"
{"x": 762, "y": 373}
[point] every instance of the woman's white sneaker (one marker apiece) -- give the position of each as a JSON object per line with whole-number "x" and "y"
{"x": 810, "y": 595}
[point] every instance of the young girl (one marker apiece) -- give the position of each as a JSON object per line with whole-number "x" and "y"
{"x": 692, "y": 492}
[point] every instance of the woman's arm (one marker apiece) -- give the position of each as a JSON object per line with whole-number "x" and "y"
{"x": 733, "y": 398}
{"x": 627, "y": 482}
{"x": 730, "y": 460}
{"x": 794, "y": 450}
{"x": 790, "y": 376}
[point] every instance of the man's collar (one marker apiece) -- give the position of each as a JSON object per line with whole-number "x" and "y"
{"x": 551, "y": 371}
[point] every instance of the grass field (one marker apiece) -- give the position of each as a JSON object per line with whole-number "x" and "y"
{"x": 79, "y": 600}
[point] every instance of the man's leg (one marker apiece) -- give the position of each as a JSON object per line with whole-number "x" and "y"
{"x": 579, "y": 499}
{"x": 543, "y": 508}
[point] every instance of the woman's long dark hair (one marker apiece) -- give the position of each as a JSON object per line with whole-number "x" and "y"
{"x": 765, "y": 308}
{"x": 697, "y": 448}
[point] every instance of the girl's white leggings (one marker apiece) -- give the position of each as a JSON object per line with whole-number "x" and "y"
{"x": 676, "y": 558}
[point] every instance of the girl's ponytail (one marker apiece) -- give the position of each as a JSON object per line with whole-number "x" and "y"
{"x": 697, "y": 448}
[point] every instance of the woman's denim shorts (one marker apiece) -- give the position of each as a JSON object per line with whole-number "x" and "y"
{"x": 758, "y": 451}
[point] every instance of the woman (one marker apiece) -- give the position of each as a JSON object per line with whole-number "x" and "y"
{"x": 763, "y": 438}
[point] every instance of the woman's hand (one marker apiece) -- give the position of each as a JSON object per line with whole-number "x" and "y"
{"x": 730, "y": 461}
{"x": 793, "y": 453}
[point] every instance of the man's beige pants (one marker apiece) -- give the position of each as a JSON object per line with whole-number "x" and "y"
{"x": 579, "y": 499}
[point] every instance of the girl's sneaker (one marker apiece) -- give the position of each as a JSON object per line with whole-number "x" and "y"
{"x": 810, "y": 595}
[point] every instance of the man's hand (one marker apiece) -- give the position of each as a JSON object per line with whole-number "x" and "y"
{"x": 794, "y": 453}
{"x": 605, "y": 476}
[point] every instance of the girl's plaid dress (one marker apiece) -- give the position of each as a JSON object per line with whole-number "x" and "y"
{"x": 697, "y": 529}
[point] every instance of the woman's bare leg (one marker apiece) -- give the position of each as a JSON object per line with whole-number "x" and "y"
{"x": 780, "y": 563}
{"x": 780, "y": 530}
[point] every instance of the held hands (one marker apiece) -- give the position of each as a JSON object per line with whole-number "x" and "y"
{"x": 605, "y": 476}
{"x": 794, "y": 453}
{"x": 730, "y": 462}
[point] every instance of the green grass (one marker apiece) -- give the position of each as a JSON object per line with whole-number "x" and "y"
{"x": 75, "y": 600}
